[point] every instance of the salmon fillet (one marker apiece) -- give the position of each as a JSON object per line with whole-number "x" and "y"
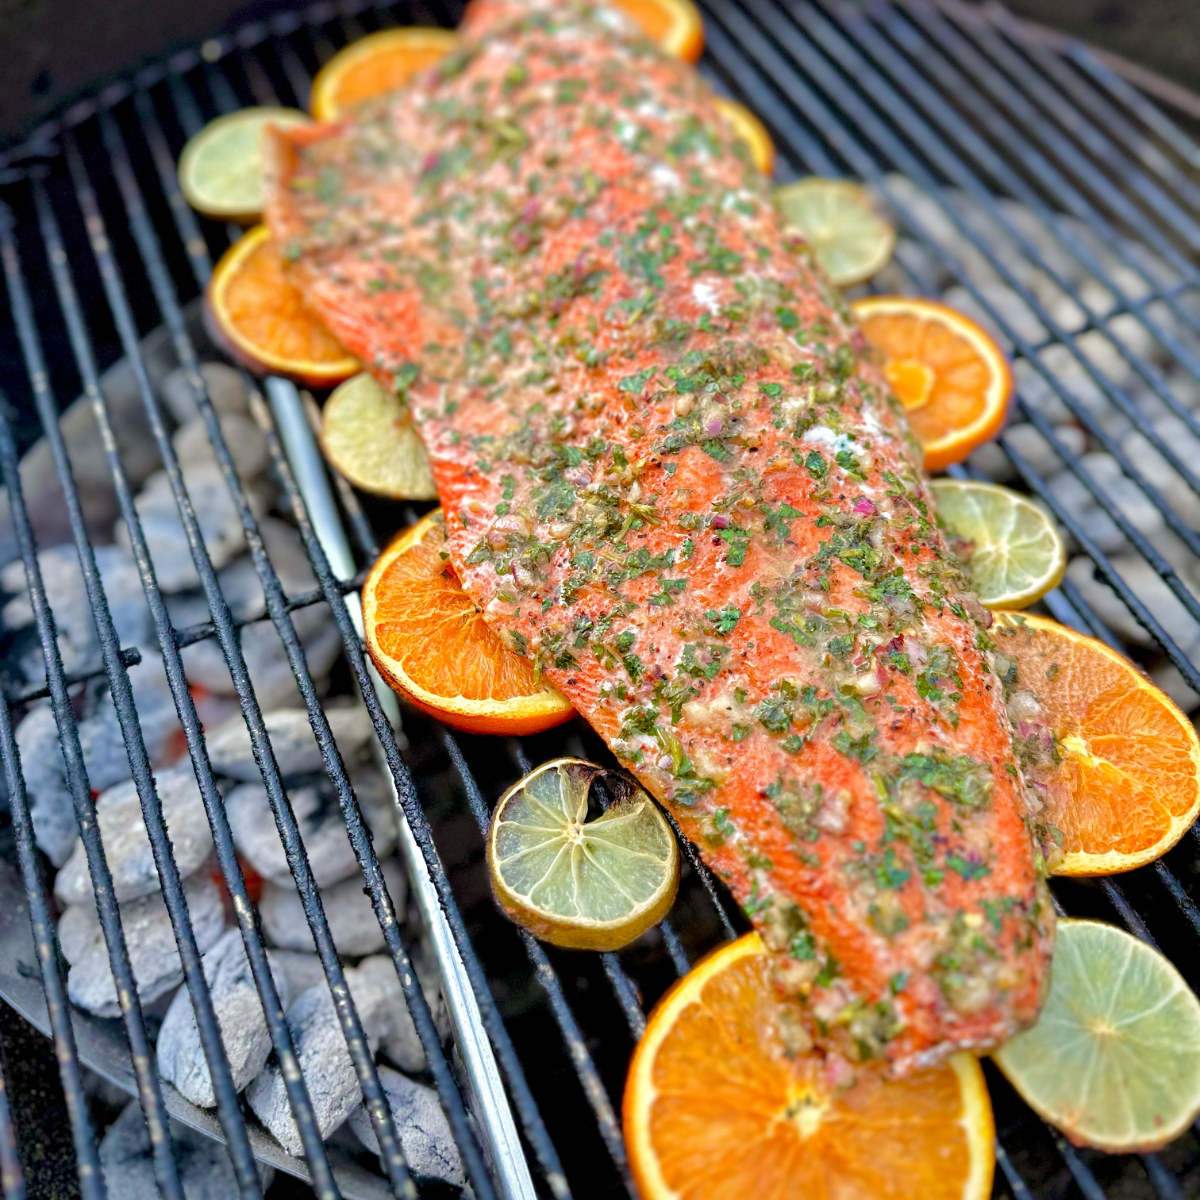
{"x": 672, "y": 477}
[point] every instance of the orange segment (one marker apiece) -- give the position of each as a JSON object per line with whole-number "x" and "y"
{"x": 1114, "y": 760}
{"x": 433, "y": 646}
{"x": 949, "y": 374}
{"x": 674, "y": 24}
{"x": 715, "y": 1109}
{"x": 378, "y": 63}
{"x": 751, "y": 130}
{"x": 262, "y": 318}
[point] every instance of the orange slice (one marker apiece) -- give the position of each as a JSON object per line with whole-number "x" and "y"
{"x": 674, "y": 24}
{"x": 433, "y": 646}
{"x": 1115, "y": 762}
{"x": 751, "y": 131}
{"x": 377, "y": 63}
{"x": 256, "y": 313}
{"x": 952, "y": 379}
{"x": 715, "y": 1109}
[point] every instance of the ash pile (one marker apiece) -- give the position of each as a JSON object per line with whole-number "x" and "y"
{"x": 329, "y": 1074}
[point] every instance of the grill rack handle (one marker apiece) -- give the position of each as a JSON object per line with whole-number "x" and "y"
{"x": 489, "y": 1101}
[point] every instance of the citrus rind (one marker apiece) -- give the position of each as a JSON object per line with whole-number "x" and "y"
{"x": 1107, "y": 1074}
{"x": 429, "y": 42}
{"x": 683, "y": 35}
{"x": 1006, "y": 528}
{"x": 254, "y": 357}
{"x": 515, "y": 716}
{"x": 850, "y": 237}
{"x": 957, "y": 444}
{"x": 367, "y": 435}
{"x": 514, "y": 843}
{"x": 750, "y": 130}
{"x": 1112, "y": 862}
{"x": 220, "y": 171}
{"x": 641, "y": 1092}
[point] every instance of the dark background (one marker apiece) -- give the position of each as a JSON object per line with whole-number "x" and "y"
{"x": 51, "y": 49}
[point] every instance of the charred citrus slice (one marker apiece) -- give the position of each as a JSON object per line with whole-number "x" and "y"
{"x": 674, "y": 24}
{"x": 715, "y": 1109}
{"x": 1114, "y": 1058}
{"x": 1115, "y": 763}
{"x": 367, "y": 434}
{"x": 1012, "y": 553}
{"x": 584, "y": 885}
{"x": 261, "y": 317}
{"x": 751, "y": 131}
{"x": 377, "y": 63}
{"x": 220, "y": 169}
{"x": 952, "y": 379}
{"x": 433, "y": 646}
{"x": 850, "y": 237}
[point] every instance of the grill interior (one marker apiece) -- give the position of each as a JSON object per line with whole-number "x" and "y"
{"x": 1031, "y": 185}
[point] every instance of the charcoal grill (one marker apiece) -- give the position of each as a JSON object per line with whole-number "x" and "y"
{"x": 986, "y": 138}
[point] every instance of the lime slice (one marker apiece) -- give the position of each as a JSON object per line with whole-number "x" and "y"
{"x": 587, "y": 885}
{"x": 368, "y": 435}
{"x": 750, "y": 130}
{"x": 220, "y": 169}
{"x": 841, "y": 222}
{"x": 1012, "y": 553}
{"x": 1114, "y": 1059}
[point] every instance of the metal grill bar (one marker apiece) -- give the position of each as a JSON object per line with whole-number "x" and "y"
{"x": 330, "y": 587}
{"x": 91, "y": 1182}
{"x": 122, "y": 693}
{"x": 864, "y": 165}
{"x": 373, "y": 1095}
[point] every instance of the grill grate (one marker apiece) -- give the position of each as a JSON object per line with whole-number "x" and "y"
{"x": 996, "y": 151}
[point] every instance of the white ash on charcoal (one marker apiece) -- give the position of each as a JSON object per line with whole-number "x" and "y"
{"x": 298, "y": 970}
{"x": 348, "y": 910}
{"x": 397, "y": 1034}
{"x": 205, "y": 1168}
{"x": 1149, "y": 587}
{"x": 245, "y": 441}
{"x": 293, "y": 740}
{"x": 322, "y": 827}
{"x": 266, "y": 659}
{"x": 78, "y": 641}
{"x": 149, "y": 938}
{"x": 224, "y": 384}
{"x": 127, "y": 845}
{"x": 324, "y": 1060}
{"x": 216, "y": 513}
{"x": 104, "y": 754}
{"x": 239, "y": 1013}
{"x": 429, "y": 1146}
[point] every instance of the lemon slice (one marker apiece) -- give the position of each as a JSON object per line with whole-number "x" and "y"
{"x": 851, "y": 239}
{"x": 220, "y": 169}
{"x": 368, "y": 435}
{"x": 750, "y": 130}
{"x": 1114, "y": 1059}
{"x": 1012, "y": 552}
{"x": 586, "y": 885}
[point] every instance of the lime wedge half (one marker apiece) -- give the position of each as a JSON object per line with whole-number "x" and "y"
{"x": 1012, "y": 553}
{"x": 368, "y": 435}
{"x": 587, "y": 885}
{"x": 1114, "y": 1059}
{"x": 851, "y": 239}
{"x": 220, "y": 169}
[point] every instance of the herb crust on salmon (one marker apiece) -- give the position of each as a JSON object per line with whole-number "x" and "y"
{"x": 672, "y": 477}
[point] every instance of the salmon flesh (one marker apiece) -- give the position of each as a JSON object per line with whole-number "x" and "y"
{"x": 674, "y": 479}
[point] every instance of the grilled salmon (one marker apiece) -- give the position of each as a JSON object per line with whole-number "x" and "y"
{"x": 673, "y": 478}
